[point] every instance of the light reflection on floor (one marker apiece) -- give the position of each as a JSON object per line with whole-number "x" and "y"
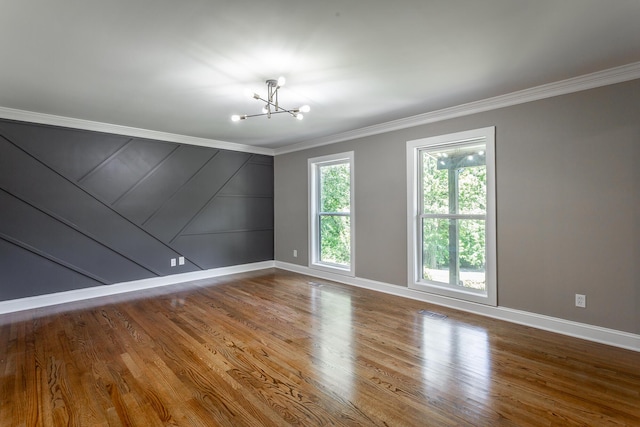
{"x": 449, "y": 347}
{"x": 334, "y": 353}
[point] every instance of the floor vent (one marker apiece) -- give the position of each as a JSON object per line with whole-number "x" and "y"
{"x": 432, "y": 314}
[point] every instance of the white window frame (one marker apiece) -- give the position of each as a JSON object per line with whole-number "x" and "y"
{"x": 414, "y": 228}
{"x": 314, "y": 230}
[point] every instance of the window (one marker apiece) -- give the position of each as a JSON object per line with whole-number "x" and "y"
{"x": 451, "y": 208}
{"x": 331, "y": 227}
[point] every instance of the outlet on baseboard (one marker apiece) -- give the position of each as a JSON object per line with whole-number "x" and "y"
{"x": 581, "y": 301}
{"x": 181, "y": 260}
{"x": 173, "y": 262}
{"x": 295, "y": 253}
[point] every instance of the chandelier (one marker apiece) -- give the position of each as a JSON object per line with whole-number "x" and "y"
{"x": 271, "y": 105}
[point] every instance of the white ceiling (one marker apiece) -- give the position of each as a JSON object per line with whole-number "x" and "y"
{"x": 183, "y": 66}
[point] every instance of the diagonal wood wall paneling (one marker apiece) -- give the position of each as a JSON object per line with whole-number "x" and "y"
{"x": 82, "y": 208}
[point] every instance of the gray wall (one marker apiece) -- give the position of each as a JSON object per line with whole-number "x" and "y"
{"x": 81, "y": 209}
{"x": 568, "y": 195}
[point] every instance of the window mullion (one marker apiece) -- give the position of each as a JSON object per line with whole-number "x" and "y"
{"x": 454, "y": 216}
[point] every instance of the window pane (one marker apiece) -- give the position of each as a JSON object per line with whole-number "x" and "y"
{"x": 453, "y": 251}
{"x": 472, "y": 187}
{"x": 335, "y": 242}
{"x": 334, "y": 188}
{"x": 435, "y": 249}
{"x": 435, "y": 185}
{"x": 454, "y": 180}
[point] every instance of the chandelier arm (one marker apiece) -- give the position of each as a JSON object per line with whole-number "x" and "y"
{"x": 282, "y": 110}
{"x": 278, "y": 108}
{"x": 272, "y": 92}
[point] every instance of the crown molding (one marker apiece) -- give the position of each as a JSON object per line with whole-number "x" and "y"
{"x": 576, "y": 84}
{"x": 49, "y": 119}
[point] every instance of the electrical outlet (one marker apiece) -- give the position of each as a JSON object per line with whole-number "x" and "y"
{"x": 295, "y": 253}
{"x": 173, "y": 262}
{"x": 581, "y": 301}
{"x": 181, "y": 260}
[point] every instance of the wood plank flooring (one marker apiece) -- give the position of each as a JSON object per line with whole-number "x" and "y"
{"x": 274, "y": 348}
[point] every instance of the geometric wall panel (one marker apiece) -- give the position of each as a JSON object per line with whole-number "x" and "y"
{"x": 233, "y": 213}
{"x": 43, "y": 233}
{"x": 120, "y": 172}
{"x": 83, "y": 208}
{"x": 176, "y": 213}
{"x": 151, "y": 193}
{"x": 64, "y": 150}
{"x": 221, "y": 249}
{"x": 25, "y": 274}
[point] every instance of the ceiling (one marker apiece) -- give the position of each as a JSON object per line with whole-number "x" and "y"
{"x": 183, "y": 67}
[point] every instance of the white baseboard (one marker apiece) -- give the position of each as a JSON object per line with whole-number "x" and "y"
{"x": 120, "y": 288}
{"x": 553, "y": 324}
{"x": 566, "y": 327}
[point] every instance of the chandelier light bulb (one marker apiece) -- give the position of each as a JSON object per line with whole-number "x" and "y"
{"x": 299, "y": 116}
{"x": 281, "y": 81}
{"x": 235, "y": 118}
{"x": 305, "y": 109}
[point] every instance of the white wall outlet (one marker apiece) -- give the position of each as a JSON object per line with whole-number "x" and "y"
{"x": 581, "y": 300}
{"x": 181, "y": 260}
{"x": 295, "y": 253}
{"x": 173, "y": 262}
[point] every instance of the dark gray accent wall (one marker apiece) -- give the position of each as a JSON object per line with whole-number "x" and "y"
{"x": 81, "y": 208}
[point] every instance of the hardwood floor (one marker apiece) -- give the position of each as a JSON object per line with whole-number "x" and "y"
{"x": 276, "y": 348}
